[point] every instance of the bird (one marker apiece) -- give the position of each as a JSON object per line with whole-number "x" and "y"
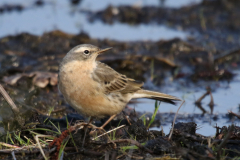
{"x": 96, "y": 90}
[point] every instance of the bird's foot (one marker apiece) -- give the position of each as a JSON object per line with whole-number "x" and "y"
{"x": 97, "y": 130}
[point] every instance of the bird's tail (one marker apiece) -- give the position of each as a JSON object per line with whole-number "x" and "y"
{"x": 155, "y": 95}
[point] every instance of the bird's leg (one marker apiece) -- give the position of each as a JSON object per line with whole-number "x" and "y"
{"x": 109, "y": 120}
{"x": 104, "y": 125}
{"x": 85, "y": 130}
{"x": 127, "y": 118}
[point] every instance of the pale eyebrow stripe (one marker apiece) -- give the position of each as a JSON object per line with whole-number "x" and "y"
{"x": 81, "y": 49}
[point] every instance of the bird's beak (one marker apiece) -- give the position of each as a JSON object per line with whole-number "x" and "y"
{"x": 104, "y": 50}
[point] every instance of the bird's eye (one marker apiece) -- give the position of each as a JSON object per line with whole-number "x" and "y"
{"x": 86, "y": 52}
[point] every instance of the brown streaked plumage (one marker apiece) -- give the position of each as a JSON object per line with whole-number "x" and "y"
{"x": 95, "y": 89}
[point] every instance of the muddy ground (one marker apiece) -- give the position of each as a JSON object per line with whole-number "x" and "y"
{"x": 29, "y": 66}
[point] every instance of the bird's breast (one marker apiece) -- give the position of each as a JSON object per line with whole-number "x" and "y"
{"x": 86, "y": 95}
{"x": 75, "y": 82}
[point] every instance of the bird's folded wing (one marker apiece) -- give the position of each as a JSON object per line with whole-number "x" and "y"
{"x": 113, "y": 81}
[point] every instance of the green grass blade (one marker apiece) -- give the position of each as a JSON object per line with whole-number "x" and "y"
{"x": 63, "y": 145}
{"x": 154, "y": 114}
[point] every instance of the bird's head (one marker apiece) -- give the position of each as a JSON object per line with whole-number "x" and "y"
{"x": 85, "y": 52}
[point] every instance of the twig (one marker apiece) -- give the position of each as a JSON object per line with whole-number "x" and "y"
{"x": 9, "y": 100}
{"x": 170, "y": 136}
{"x": 203, "y": 96}
{"x": 108, "y": 132}
{"x": 223, "y": 143}
{"x": 139, "y": 145}
{"x": 226, "y": 138}
{"x": 217, "y": 129}
{"x": 230, "y": 112}
{"x": 120, "y": 156}
{"x": 211, "y": 104}
{"x": 226, "y": 56}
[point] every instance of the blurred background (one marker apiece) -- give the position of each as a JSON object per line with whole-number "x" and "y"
{"x": 186, "y": 48}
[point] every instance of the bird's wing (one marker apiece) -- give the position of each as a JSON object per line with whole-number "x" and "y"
{"x": 113, "y": 81}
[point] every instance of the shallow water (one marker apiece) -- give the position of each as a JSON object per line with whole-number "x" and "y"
{"x": 226, "y": 97}
{"x": 204, "y": 128}
{"x": 37, "y": 20}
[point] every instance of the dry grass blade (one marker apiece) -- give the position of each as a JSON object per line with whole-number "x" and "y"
{"x": 28, "y": 140}
{"x": 170, "y": 135}
{"x": 8, "y": 145}
{"x": 9, "y": 99}
{"x": 108, "y": 132}
{"x": 39, "y": 145}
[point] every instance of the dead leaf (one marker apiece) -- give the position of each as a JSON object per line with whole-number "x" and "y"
{"x": 40, "y": 79}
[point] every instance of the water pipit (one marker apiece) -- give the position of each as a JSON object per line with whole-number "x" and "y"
{"x": 96, "y": 90}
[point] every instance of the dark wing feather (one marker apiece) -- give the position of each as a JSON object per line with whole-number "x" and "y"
{"x": 113, "y": 81}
